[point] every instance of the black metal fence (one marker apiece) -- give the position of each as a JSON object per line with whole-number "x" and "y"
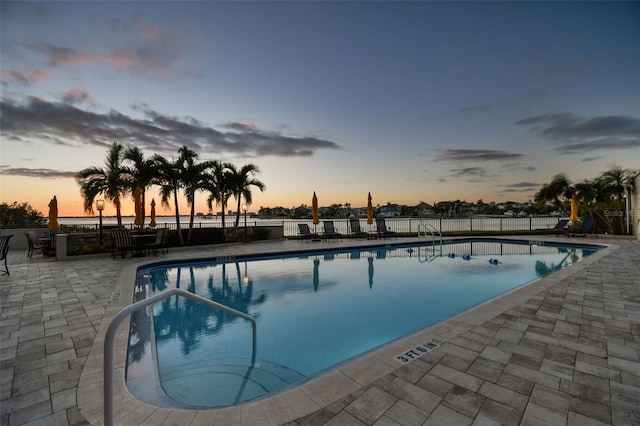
{"x": 405, "y": 226}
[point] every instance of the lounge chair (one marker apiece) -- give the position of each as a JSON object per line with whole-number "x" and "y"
{"x": 158, "y": 244}
{"x": 587, "y": 227}
{"x": 33, "y": 241}
{"x": 122, "y": 242}
{"x": 560, "y": 227}
{"x": 4, "y": 250}
{"x": 330, "y": 231}
{"x": 355, "y": 228}
{"x": 383, "y": 231}
{"x": 306, "y": 233}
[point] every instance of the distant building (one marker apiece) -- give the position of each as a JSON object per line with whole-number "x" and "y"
{"x": 424, "y": 209}
{"x": 390, "y": 210}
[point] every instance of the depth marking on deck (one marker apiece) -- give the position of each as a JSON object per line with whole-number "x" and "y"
{"x": 420, "y": 350}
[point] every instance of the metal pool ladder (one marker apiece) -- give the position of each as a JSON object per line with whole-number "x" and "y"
{"x": 424, "y": 230}
{"x": 111, "y": 331}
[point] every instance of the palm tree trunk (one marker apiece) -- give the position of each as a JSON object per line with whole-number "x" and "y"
{"x": 235, "y": 228}
{"x": 224, "y": 232}
{"x": 175, "y": 200}
{"x": 193, "y": 213}
{"x": 143, "y": 203}
{"x": 118, "y": 213}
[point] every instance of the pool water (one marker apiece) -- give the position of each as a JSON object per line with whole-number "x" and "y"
{"x": 314, "y": 311}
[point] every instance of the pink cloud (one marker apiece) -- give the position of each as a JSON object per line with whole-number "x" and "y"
{"x": 24, "y": 78}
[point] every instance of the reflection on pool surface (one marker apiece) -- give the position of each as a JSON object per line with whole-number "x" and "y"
{"x": 313, "y": 311}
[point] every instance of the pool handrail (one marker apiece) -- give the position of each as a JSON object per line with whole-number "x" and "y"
{"x": 113, "y": 326}
{"x": 423, "y": 228}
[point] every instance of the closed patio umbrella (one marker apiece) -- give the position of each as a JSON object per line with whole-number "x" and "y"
{"x": 153, "y": 223}
{"x": 137, "y": 201}
{"x": 574, "y": 208}
{"x": 53, "y": 214}
{"x": 314, "y": 209}
{"x": 369, "y": 210}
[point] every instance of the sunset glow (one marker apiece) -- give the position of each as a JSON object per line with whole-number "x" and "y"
{"x": 411, "y": 101}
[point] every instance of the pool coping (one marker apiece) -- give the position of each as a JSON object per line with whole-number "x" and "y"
{"x": 311, "y": 396}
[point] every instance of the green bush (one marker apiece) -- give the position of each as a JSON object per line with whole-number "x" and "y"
{"x": 16, "y": 215}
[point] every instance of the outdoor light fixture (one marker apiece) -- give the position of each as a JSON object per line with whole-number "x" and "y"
{"x": 100, "y": 207}
{"x": 244, "y": 209}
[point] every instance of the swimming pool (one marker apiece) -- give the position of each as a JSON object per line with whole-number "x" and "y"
{"x": 314, "y": 311}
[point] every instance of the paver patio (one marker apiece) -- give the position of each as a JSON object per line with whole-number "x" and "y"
{"x": 563, "y": 350}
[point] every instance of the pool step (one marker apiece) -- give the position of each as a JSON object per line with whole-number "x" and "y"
{"x": 218, "y": 383}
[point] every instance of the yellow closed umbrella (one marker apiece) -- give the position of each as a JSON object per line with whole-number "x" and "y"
{"x": 314, "y": 209}
{"x": 153, "y": 223}
{"x": 369, "y": 210}
{"x": 53, "y": 214}
{"x": 574, "y": 209}
{"x": 137, "y": 201}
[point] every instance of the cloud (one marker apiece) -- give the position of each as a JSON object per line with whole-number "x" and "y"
{"x": 469, "y": 172}
{"x": 522, "y": 186}
{"x": 574, "y": 135}
{"x": 242, "y": 127}
{"x": 65, "y": 124}
{"x": 475, "y": 155}
{"x": 598, "y": 144}
{"x": 37, "y": 173}
{"x": 133, "y": 45}
{"x": 587, "y": 159}
{"x": 23, "y": 78}
{"x": 75, "y": 96}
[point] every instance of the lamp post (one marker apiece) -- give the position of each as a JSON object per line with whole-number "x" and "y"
{"x": 100, "y": 207}
{"x": 245, "y": 277}
{"x": 244, "y": 209}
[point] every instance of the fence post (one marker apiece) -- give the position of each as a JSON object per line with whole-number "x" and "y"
{"x": 470, "y": 225}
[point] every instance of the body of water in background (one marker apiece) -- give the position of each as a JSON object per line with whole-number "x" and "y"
{"x": 290, "y": 226}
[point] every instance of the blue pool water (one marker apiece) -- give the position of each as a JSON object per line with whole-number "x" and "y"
{"x": 314, "y": 311}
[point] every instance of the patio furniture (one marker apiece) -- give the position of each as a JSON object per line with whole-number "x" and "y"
{"x": 356, "y": 231}
{"x": 158, "y": 244}
{"x": 49, "y": 243}
{"x": 33, "y": 242}
{"x": 122, "y": 242}
{"x": 330, "y": 231}
{"x": 560, "y": 227}
{"x": 4, "y": 250}
{"x": 383, "y": 231}
{"x": 306, "y": 233}
{"x": 587, "y": 227}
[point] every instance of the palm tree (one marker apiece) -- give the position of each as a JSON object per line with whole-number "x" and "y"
{"x": 559, "y": 187}
{"x": 616, "y": 182}
{"x": 109, "y": 182}
{"x": 192, "y": 180}
{"x": 217, "y": 182}
{"x": 142, "y": 172}
{"x": 241, "y": 182}
{"x": 586, "y": 191}
{"x": 169, "y": 178}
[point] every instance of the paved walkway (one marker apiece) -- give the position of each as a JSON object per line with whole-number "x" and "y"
{"x": 563, "y": 350}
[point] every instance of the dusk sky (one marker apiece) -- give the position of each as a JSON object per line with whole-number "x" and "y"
{"x": 411, "y": 101}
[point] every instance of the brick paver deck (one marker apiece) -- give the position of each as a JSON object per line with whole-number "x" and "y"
{"x": 563, "y": 350}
